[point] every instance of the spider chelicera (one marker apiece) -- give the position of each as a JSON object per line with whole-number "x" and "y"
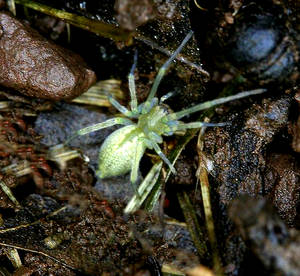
{"x": 122, "y": 150}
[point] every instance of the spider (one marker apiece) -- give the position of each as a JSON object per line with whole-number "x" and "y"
{"x": 122, "y": 150}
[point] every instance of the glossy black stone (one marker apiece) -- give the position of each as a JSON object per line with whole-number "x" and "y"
{"x": 260, "y": 46}
{"x": 259, "y": 40}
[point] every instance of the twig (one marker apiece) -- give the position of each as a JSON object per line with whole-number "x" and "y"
{"x": 32, "y": 223}
{"x": 205, "y": 189}
{"x": 38, "y": 252}
{"x": 95, "y": 26}
{"x": 169, "y": 53}
{"x": 9, "y": 193}
{"x": 12, "y": 6}
{"x": 193, "y": 226}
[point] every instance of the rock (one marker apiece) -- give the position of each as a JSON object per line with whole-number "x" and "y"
{"x": 132, "y": 14}
{"x": 64, "y": 120}
{"x": 37, "y": 67}
{"x": 239, "y": 151}
{"x": 277, "y": 247}
{"x": 61, "y": 123}
{"x": 282, "y": 184}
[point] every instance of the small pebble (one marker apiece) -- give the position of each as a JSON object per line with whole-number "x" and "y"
{"x": 38, "y": 68}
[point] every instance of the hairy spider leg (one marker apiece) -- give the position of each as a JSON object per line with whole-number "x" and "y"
{"x": 164, "y": 68}
{"x": 131, "y": 84}
{"x": 184, "y": 126}
{"x": 208, "y": 104}
{"x": 133, "y": 101}
{"x": 166, "y": 96}
{"x": 95, "y": 127}
{"x": 120, "y": 107}
{"x": 153, "y": 145}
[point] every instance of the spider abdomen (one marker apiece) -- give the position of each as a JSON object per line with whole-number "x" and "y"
{"x": 118, "y": 151}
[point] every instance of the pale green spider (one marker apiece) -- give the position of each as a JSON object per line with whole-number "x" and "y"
{"x": 122, "y": 150}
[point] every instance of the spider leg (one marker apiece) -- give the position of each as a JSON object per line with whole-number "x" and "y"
{"x": 95, "y": 127}
{"x": 144, "y": 189}
{"x": 157, "y": 149}
{"x": 131, "y": 84}
{"x": 212, "y": 103}
{"x": 139, "y": 152}
{"x": 120, "y": 107}
{"x": 165, "y": 67}
{"x": 184, "y": 126}
{"x": 166, "y": 96}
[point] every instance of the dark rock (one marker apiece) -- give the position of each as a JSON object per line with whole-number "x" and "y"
{"x": 296, "y": 136}
{"x": 296, "y": 128}
{"x": 266, "y": 234}
{"x": 282, "y": 184}
{"x": 256, "y": 40}
{"x": 239, "y": 151}
{"x": 37, "y": 67}
{"x": 65, "y": 119}
{"x": 61, "y": 123}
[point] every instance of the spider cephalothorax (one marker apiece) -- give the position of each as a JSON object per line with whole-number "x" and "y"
{"x": 122, "y": 151}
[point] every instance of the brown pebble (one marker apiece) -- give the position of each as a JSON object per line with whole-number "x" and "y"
{"x": 36, "y": 67}
{"x": 133, "y": 13}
